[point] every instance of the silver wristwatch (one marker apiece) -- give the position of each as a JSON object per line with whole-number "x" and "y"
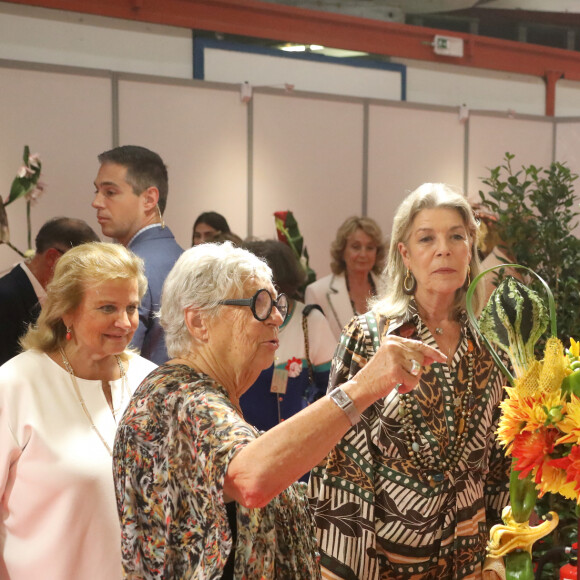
{"x": 345, "y": 403}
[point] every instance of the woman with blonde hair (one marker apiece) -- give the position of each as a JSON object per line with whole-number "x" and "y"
{"x": 60, "y": 401}
{"x": 357, "y": 260}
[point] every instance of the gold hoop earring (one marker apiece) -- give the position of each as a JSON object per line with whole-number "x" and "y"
{"x": 409, "y": 283}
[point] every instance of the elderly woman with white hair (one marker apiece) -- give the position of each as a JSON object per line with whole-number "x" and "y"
{"x": 192, "y": 477}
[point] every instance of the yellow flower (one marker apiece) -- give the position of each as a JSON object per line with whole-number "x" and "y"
{"x": 513, "y": 419}
{"x": 554, "y": 481}
{"x": 570, "y": 425}
{"x": 574, "y": 348}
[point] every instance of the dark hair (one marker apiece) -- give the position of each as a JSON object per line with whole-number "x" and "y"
{"x": 63, "y": 233}
{"x": 287, "y": 272}
{"x": 213, "y": 219}
{"x": 228, "y": 237}
{"x": 144, "y": 169}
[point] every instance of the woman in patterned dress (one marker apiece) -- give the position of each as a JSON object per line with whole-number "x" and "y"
{"x": 410, "y": 492}
{"x": 190, "y": 472}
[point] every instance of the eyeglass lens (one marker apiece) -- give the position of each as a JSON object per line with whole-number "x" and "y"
{"x": 264, "y": 303}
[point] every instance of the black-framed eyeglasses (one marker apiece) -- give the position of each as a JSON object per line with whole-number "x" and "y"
{"x": 261, "y": 304}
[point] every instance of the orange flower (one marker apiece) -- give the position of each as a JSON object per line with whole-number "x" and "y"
{"x": 531, "y": 451}
{"x": 554, "y": 481}
{"x": 515, "y": 415}
{"x": 570, "y": 425}
{"x": 524, "y": 413}
{"x": 571, "y": 466}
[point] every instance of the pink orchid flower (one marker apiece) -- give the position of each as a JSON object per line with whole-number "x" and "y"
{"x": 34, "y": 160}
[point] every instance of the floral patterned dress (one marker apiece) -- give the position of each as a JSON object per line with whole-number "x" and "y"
{"x": 379, "y": 515}
{"x": 171, "y": 455}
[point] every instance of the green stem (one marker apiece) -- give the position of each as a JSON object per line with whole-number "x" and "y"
{"x": 29, "y": 225}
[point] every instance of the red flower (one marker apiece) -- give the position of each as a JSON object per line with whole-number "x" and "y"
{"x": 294, "y": 367}
{"x": 532, "y": 449}
{"x": 571, "y": 465}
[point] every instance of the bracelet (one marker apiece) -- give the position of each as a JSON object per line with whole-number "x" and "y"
{"x": 344, "y": 402}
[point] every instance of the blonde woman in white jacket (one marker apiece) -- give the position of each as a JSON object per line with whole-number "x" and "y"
{"x": 358, "y": 255}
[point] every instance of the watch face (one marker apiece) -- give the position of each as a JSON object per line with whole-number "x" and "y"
{"x": 341, "y": 397}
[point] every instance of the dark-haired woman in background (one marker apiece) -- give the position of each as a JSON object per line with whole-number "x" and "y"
{"x": 208, "y": 225}
{"x": 300, "y": 371}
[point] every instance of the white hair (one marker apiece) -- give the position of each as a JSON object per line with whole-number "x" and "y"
{"x": 202, "y": 277}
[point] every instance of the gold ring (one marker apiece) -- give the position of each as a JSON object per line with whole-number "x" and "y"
{"x": 415, "y": 368}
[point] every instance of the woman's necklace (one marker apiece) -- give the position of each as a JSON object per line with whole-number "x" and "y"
{"x": 373, "y": 291}
{"x": 435, "y": 470}
{"x": 124, "y": 388}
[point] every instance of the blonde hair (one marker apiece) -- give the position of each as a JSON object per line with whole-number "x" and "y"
{"x": 428, "y": 196}
{"x": 80, "y": 267}
{"x": 349, "y": 227}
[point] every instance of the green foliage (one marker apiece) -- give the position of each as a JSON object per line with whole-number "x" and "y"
{"x": 536, "y": 213}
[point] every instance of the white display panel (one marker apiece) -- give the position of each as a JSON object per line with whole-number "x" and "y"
{"x": 568, "y": 145}
{"x": 65, "y": 118}
{"x": 490, "y": 137}
{"x": 307, "y": 159}
{"x": 407, "y": 147}
{"x": 201, "y": 134}
{"x": 567, "y": 98}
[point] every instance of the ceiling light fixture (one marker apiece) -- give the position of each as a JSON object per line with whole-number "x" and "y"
{"x": 301, "y": 47}
{"x": 294, "y": 48}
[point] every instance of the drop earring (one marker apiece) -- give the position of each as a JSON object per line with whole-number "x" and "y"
{"x": 68, "y": 334}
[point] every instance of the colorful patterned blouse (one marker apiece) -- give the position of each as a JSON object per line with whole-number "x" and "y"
{"x": 378, "y": 514}
{"x": 171, "y": 455}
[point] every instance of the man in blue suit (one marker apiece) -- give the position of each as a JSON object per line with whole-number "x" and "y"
{"x": 130, "y": 198}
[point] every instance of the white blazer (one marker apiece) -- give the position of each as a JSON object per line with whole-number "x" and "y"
{"x": 331, "y": 294}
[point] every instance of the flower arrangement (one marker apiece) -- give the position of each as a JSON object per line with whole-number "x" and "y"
{"x": 540, "y": 422}
{"x": 26, "y": 184}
